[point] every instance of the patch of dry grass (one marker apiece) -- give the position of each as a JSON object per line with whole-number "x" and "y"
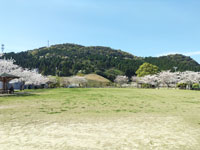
{"x": 96, "y": 77}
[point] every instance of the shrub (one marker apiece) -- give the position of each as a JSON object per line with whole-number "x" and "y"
{"x": 146, "y": 85}
{"x": 182, "y": 85}
{"x": 195, "y": 86}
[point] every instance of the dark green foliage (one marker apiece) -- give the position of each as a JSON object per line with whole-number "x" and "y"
{"x": 182, "y": 85}
{"x": 110, "y": 73}
{"x": 196, "y": 86}
{"x": 168, "y": 62}
{"x": 69, "y": 59}
{"x": 145, "y": 86}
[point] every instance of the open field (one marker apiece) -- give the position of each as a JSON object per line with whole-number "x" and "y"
{"x": 94, "y": 119}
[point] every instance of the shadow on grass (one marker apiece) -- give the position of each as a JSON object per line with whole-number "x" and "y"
{"x": 19, "y": 94}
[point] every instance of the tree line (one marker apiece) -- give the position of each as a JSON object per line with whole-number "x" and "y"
{"x": 149, "y": 76}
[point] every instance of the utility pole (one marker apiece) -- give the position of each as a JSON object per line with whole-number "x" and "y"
{"x": 2, "y": 48}
{"x": 48, "y": 44}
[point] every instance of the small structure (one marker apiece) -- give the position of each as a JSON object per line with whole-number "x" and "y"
{"x": 6, "y": 78}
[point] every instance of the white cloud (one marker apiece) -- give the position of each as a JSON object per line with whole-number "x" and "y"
{"x": 192, "y": 53}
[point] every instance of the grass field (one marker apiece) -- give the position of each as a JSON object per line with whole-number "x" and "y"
{"x": 100, "y": 118}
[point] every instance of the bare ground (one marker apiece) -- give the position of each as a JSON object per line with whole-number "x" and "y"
{"x": 108, "y": 133}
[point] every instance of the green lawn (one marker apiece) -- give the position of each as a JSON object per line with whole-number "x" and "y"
{"x": 99, "y": 105}
{"x": 100, "y": 101}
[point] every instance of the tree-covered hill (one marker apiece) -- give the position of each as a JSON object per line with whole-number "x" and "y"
{"x": 183, "y": 63}
{"x": 70, "y": 59}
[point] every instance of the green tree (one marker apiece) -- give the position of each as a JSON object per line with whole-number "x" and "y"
{"x": 147, "y": 69}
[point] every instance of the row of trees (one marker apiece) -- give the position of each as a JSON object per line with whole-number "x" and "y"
{"x": 147, "y": 76}
{"x": 187, "y": 79}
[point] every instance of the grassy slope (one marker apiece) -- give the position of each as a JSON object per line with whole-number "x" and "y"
{"x": 96, "y": 77}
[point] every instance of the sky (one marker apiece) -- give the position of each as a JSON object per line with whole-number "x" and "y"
{"x": 140, "y": 27}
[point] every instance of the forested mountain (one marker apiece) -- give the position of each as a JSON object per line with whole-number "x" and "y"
{"x": 183, "y": 63}
{"x": 70, "y": 59}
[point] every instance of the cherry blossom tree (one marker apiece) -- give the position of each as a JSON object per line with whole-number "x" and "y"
{"x": 167, "y": 78}
{"x": 76, "y": 80}
{"x": 29, "y": 77}
{"x": 121, "y": 80}
{"x": 189, "y": 77}
{"x": 151, "y": 80}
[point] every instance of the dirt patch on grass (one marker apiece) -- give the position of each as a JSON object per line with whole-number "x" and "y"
{"x": 6, "y": 107}
{"x": 125, "y": 133}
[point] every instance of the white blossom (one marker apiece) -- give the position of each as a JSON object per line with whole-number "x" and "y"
{"x": 27, "y": 76}
{"x": 76, "y": 80}
{"x": 167, "y": 78}
{"x": 121, "y": 80}
{"x": 190, "y": 77}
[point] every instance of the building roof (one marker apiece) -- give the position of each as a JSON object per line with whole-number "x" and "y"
{"x": 8, "y": 76}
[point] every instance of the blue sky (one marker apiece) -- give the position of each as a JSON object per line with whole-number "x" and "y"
{"x": 141, "y": 27}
